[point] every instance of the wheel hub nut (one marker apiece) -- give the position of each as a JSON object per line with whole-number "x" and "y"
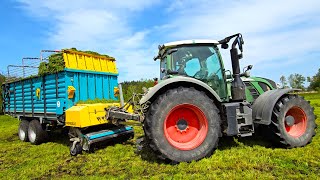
{"x": 182, "y": 124}
{"x": 289, "y": 121}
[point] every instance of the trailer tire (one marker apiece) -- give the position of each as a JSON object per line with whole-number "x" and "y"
{"x": 182, "y": 125}
{"x": 76, "y": 150}
{"x": 23, "y": 130}
{"x": 36, "y": 133}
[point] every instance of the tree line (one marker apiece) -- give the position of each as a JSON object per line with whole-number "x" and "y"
{"x": 130, "y": 87}
{"x": 297, "y": 81}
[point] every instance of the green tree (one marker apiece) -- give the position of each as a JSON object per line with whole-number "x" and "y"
{"x": 296, "y": 81}
{"x": 130, "y": 87}
{"x": 283, "y": 81}
{"x": 315, "y": 82}
{"x": 309, "y": 79}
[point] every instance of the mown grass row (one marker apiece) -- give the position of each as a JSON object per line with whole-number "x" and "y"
{"x": 235, "y": 158}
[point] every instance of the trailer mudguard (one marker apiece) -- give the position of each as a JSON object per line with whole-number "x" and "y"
{"x": 264, "y": 104}
{"x": 180, "y": 80}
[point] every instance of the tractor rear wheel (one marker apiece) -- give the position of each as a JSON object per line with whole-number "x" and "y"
{"x": 293, "y": 122}
{"x": 183, "y": 125}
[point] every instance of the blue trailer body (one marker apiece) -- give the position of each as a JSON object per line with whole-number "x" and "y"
{"x": 51, "y": 101}
{"x": 47, "y": 96}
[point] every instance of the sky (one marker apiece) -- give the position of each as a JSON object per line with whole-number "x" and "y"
{"x": 281, "y": 37}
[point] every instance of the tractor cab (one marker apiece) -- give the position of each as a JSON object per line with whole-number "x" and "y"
{"x": 199, "y": 59}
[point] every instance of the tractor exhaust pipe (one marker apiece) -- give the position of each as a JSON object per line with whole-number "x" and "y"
{"x": 237, "y": 85}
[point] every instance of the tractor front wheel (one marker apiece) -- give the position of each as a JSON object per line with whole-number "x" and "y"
{"x": 293, "y": 122}
{"x": 182, "y": 125}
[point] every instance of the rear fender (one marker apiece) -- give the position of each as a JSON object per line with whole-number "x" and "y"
{"x": 263, "y": 105}
{"x": 168, "y": 83}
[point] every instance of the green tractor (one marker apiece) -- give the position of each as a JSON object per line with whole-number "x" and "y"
{"x": 197, "y": 101}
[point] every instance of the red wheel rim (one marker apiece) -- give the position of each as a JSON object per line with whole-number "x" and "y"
{"x": 185, "y": 127}
{"x": 300, "y": 122}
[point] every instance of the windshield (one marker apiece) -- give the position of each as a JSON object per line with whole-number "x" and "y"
{"x": 200, "y": 62}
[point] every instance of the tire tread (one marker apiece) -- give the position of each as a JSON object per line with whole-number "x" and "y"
{"x": 158, "y": 103}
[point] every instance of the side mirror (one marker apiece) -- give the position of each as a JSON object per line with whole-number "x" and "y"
{"x": 240, "y": 42}
{"x": 247, "y": 68}
{"x": 246, "y": 71}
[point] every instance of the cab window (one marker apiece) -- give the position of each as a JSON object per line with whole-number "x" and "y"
{"x": 200, "y": 62}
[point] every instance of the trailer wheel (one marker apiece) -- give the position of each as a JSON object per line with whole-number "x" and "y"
{"x": 183, "y": 125}
{"x": 76, "y": 149}
{"x": 293, "y": 122}
{"x": 23, "y": 130}
{"x": 36, "y": 133}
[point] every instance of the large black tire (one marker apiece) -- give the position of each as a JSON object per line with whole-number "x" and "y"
{"x": 36, "y": 133}
{"x": 171, "y": 107}
{"x": 23, "y": 130}
{"x": 293, "y": 122}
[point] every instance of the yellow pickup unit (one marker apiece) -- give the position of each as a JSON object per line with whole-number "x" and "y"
{"x": 85, "y": 115}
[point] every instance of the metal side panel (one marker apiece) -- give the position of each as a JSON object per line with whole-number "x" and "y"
{"x": 37, "y": 95}
{"x": 49, "y": 93}
{"x": 90, "y": 86}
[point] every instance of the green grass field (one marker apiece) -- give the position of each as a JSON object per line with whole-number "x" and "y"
{"x": 235, "y": 158}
